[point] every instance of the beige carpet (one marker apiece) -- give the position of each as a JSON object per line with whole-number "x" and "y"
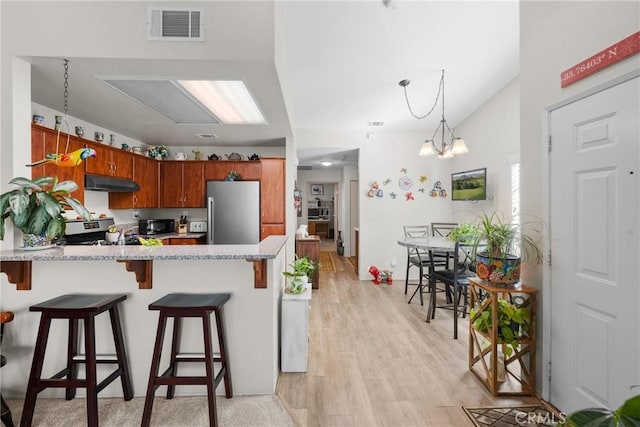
{"x": 179, "y": 412}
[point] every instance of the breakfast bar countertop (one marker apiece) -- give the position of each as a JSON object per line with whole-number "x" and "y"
{"x": 266, "y": 249}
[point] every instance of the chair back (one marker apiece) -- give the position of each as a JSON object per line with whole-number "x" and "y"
{"x": 416, "y": 231}
{"x": 442, "y": 229}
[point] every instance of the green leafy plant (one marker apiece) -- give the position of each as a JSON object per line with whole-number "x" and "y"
{"x": 36, "y": 206}
{"x": 499, "y": 236}
{"x": 627, "y": 415}
{"x": 513, "y": 323}
{"x": 301, "y": 267}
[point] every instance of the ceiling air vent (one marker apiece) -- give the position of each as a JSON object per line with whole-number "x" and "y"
{"x": 175, "y": 24}
{"x": 206, "y": 135}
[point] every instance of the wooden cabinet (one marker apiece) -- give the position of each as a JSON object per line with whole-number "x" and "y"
{"x": 272, "y": 197}
{"x": 110, "y": 162}
{"x": 185, "y": 240}
{"x": 321, "y": 228}
{"x": 217, "y": 170}
{"x": 43, "y": 142}
{"x": 488, "y": 358}
{"x": 310, "y": 247}
{"x": 182, "y": 184}
{"x": 146, "y": 172}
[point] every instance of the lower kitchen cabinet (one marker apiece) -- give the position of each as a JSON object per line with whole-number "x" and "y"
{"x": 185, "y": 241}
{"x": 294, "y": 349}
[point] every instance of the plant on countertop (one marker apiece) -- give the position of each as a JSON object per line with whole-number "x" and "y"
{"x": 36, "y": 206}
{"x": 302, "y": 267}
{"x": 514, "y": 322}
{"x": 627, "y": 415}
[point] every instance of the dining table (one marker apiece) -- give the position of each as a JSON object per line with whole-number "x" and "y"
{"x": 431, "y": 244}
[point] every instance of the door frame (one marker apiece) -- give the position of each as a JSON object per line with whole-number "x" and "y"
{"x": 546, "y": 209}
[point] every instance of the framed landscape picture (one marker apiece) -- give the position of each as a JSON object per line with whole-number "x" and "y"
{"x": 317, "y": 189}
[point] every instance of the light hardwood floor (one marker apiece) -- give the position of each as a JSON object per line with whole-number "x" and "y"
{"x": 374, "y": 361}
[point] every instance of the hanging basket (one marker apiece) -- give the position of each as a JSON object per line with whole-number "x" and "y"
{"x": 498, "y": 271}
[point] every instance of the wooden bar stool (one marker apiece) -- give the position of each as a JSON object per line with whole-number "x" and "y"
{"x": 5, "y": 317}
{"x": 177, "y": 306}
{"x": 76, "y": 307}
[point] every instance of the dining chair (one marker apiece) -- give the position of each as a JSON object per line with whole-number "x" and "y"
{"x": 416, "y": 258}
{"x": 455, "y": 277}
{"x": 442, "y": 229}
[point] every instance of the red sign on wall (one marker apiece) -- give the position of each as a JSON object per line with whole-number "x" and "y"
{"x": 602, "y": 59}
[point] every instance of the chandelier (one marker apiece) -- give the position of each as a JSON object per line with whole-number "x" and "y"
{"x": 450, "y": 145}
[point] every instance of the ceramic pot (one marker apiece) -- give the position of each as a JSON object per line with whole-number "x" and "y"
{"x": 111, "y": 237}
{"x": 498, "y": 271}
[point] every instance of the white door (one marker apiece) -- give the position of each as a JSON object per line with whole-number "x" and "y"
{"x": 595, "y": 280}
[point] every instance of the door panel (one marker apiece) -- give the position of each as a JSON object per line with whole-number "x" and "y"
{"x": 595, "y": 325}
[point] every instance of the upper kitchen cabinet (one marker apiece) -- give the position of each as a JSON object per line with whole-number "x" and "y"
{"x": 272, "y": 197}
{"x": 110, "y": 162}
{"x": 43, "y": 142}
{"x": 146, "y": 172}
{"x": 182, "y": 184}
{"x": 217, "y": 170}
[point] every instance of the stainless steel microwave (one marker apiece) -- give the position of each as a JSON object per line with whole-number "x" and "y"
{"x": 156, "y": 226}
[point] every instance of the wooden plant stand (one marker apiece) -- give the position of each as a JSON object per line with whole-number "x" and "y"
{"x": 520, "y": 367}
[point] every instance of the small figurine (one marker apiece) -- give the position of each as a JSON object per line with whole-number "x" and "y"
{"x": 197, "y": 154}
{"x": 254, "y": 156}
{"x": 214, "y": 156}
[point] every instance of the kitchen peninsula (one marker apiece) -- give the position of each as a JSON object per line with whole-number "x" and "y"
{"x": 251, "y": 273}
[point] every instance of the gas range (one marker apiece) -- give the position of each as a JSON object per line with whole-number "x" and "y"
{"x": 92, "y": 232}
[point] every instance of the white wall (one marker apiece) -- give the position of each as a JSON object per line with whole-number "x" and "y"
{"x": 492, "y": 134}
{"x": 553, "y": 37}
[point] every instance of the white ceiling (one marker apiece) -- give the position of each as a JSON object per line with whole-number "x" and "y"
{"x": 342, "y": 63}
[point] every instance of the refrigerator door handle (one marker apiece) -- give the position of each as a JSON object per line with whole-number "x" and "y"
{"x": 210, "y": 220}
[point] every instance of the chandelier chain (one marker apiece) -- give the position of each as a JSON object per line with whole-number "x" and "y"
{"x": 66, "y": 87}
{"x": 440, "y": 90}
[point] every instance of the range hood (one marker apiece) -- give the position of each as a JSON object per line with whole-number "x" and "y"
{"x": 112, "y": 185}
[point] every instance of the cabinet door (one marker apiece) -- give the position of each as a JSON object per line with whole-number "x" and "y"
{"x": 101, "y": 164}
{"x": 146, "y": 174}
{"x": 183, "y": 241}
{"x": 272, "y": 191}
{"x": 193, "y": 185}
{"x": 171, "y": 184}
{"x": 121, "y": 163}
{"x": 272, "y": 230}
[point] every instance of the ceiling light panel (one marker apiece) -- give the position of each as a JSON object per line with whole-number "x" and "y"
{"x": 229, "y": 100}
{"x": 165, "y": 98}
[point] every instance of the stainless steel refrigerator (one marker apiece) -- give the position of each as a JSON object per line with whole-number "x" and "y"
{"x": 233, "y": 212}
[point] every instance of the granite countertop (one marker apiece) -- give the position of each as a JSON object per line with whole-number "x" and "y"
{"x": 266, "y": 249}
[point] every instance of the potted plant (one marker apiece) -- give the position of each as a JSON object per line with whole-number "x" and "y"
{"x": 302, "y": 267}
{"x": 112, "y": 235}
{"x": 514, "y": 321}
{"x": 626, "y": 415}
{"x": 495, "y": 246}
{"x": 36, "y": 207}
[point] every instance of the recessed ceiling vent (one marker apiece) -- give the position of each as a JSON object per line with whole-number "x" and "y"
{"x": 175, "y": 24}
{"x": 206, "y": 135}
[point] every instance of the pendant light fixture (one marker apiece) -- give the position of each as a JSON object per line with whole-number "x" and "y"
{"x": 450, "y": 145}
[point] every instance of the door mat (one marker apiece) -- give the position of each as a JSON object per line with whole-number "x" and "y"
{"x": 326, "y": 262}
{"x": 507, "y": 416}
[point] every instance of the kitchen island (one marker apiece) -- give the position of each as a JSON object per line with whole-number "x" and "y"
{"x": 251, "y": 273}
